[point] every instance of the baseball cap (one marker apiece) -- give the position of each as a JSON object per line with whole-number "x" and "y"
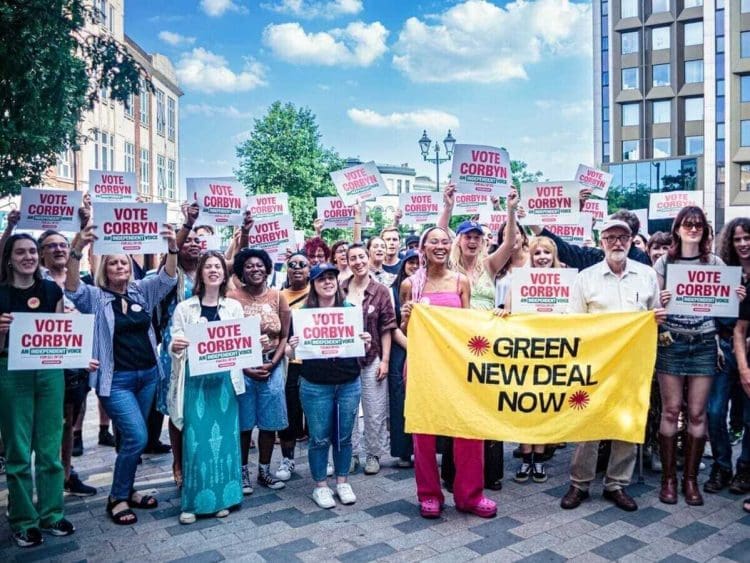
{"x": 411, "y": 239}
{"x": 613, "y": 223}
{"x": 469, "y": 226}
{"x": 409, "y": 254}
{"x": 321, "y": 269}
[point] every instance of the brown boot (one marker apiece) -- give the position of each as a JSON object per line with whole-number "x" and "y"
{"x": 668, "y": 493}
{"x": 693, "y": 453}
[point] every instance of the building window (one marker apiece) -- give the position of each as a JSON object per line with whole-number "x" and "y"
{"x": 629, "y": 9}
{"x": 660, "y": 75}
{"x": 629, "y": 42}
{"x": 694, "y": 145}
{"x": 745, "y": 44}
{"x": 630, "y": 78}
{"x": 171, "y": 118}
{"x": 693, "y": 3}
{"x": 64, "y": 164}
{"x": 129, "y": 106}
{"x": 745, "y": 88}
{"x": 693, "y": 33}
{"x": 630, "y": 114}
{"x": 662, "y": 147}
{"x": 161, "y": 121}
{"x": 144, "y": 103}
{"x": 171, "y": 181}
{"x": 398, "y": 186}
{"x": 662, "y": 111}
{"x": 659, "y": 6}
{"x": 104, "y": 151}
{"x": 745, "y": 133}
{"x": 145, "y": 172}
{"x": 745, "y": 6}
{"x": 406, "y": 186}
{"x": 693, "y": 109}
{"x": 630, "y": 150}
{"x": 693, "y": 71}
{"x": 101, "y": 12}
{"x": 660, "y": 38}
{"x": 129, "y": 157}
{"x": 745, "y": 177}
{"x": 111, "y": 19}
{"x": 161, "y": 176}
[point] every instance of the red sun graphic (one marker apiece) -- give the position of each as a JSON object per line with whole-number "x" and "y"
{"x": 478, "y": 345}
{"x": 579, "y": 400}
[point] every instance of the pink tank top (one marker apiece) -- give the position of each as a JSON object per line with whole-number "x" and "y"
{"x": 443, "y": 298}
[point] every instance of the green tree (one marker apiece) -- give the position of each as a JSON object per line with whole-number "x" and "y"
{"x": 520, "y": 173}
{"x": 51, "y": 71}
{"x": 284, "y": 154}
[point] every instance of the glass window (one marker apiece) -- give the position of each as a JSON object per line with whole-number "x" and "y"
{"x": 745, "y": 88}
{"x": 161, "y": 175}
{"x": 129, "y": 157}
{"x": 662, "y": 111}
{"x": 171, "y": 118}
{"x": 693, "y": 3}
{"x": 719, "y": 44}
{"x": 129, "y": 106}
{"x": 745, "y": 133}
{"x": 145, "y": 172}
{"x": 630, "y": 78}
{"x": 660, "y": 75}
{"x": 744, "y": 177}
{"x": 161, "y": 121}
{"x": 107, "y": 147}
{"x": 65, "y": 164}
{"x": 693, "y": 33}
{"x": 659, "y": 6}
{"x": 662, "y": 147}
{"x": 720, "y": 131}
{"x": 629, "y": 9}
{"x": 630, "y": 114}
{"x": 605, "y": 79}
{"x": 660, "y": 38}
{"x": 170, "y": 178}
{"x": 720, "y": 87}
{"x": 694, "y": 145}
{"x": 745, "y": 6}
{"x": 693, "y": 71}
{"x": 630, "y": 150}
{"x": 693, "y": 109}
{"x": 629, "y": 42}
{"x": 144, "y": 103}
{"x": 745, "y": 44}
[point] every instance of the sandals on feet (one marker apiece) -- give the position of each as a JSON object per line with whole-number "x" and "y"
{"x": 146, "y": 501}
{"x": 485, "y": 509}
{"x": 430, "y": 508}
{"x": 177, "y": 476}
{"x": 746, "y": 505}
{"x": 124, "y": 517}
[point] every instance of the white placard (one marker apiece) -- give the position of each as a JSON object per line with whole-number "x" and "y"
{"x": 547, "y": 203}
{"x": 703, "y": 291}
{"x": 597, "y": 208}
{"x": 335, "y": 213}
{"x": 482, "y": 170}
{"x": 362, "y": 182}
{"x": 106, "y": 185}
{"x": 224, "y": 345}
{"x": 493, "y": 219}
{"x": 273, "y": 235}
{"x": 541, "y": 290}
{"x": 420, "y": 208}
{"x": 666, "y": 205}
{"x": 222, "y": 202}
{"x": 210, "y": 242}
{"x": 268, "y": 206}
{"x": 129, "y": 228}
{"x": 49, "y": 209}
{"x": 574, "y": 234}
{"x": 50, "y": 341}
{"x": 471, "y": 204}
{"x": 597, "y": 180}
{"x": 328, "y": 332}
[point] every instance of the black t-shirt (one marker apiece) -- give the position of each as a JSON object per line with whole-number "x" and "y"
{"x": 131, "y": 345}
{"x": 210, "y": 313}
{"x": 745, "y": 305}
{"x": 42, "y": 297}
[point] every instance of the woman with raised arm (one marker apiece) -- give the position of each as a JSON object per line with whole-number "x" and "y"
{"x": 125, "y": 346}
{"x": 436, "y": 284}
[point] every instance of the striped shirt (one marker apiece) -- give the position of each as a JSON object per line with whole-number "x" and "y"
{"x": 91, "y": 299}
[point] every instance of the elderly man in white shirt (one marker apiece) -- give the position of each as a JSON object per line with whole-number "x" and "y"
{"x": 617, "y": 284}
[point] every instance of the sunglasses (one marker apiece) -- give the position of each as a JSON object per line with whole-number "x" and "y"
{"x": 297, "y": 265}
{"x": 690, "y": 225}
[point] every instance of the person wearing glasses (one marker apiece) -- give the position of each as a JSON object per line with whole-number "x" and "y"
{"x": 687, "y": 354}
{"x": 617, "y": 284}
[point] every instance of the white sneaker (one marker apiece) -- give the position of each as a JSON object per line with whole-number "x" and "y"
{"x": 223, "y": 513}
{"x": 286, "y": 467}
{"x": 247, "y": 484}
{"x": 372, "y": 466}
{"x": 345, "y": 493}
{"x": 329, "y": 470}
{"x": 187, "y": 518}
{"x": 323, "y": 497}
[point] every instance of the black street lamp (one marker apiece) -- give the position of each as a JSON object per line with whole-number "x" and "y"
{"x": 424, "y": 147}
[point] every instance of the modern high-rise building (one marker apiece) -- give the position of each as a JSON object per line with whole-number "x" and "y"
{"x": 672, "y": 101}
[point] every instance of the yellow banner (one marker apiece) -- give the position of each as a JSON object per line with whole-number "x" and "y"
{"x": 535, "y": 379}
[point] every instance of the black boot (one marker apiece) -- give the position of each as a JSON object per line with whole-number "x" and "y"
{"x": 77, "y": 444}
{"x": 719, "y": 479}
{"x": 105, "y": 438}
{"x": 741, "y": 482}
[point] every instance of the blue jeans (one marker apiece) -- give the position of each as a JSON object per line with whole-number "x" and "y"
{"x": 718, "y": 402}
{"x": 330, "y": 411}
{"x": 128, "y": 405}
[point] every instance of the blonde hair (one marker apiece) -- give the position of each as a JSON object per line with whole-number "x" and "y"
{"x": 546, "y": 243}
{"x": 456, "y": 257}
{"x": 100, "y": 279}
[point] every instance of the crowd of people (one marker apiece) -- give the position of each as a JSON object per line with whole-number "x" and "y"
{"x": 141, "y": 374}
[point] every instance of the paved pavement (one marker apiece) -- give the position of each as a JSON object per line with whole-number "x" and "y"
{"x": 385, "y": 524}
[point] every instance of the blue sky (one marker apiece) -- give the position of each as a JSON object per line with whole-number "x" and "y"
{"x": 377, "y": 72}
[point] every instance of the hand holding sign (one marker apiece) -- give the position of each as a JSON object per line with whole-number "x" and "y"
{"x": 5, "y": 320}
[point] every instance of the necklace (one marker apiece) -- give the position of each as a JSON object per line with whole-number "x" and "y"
{"x": 255, "y": 298}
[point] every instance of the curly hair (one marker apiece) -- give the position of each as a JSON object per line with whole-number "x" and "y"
{"x": 313, "y": 244}
{"x": 725, "y": 247}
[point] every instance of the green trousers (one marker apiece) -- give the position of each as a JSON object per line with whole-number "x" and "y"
{"x": 31, "y": 420}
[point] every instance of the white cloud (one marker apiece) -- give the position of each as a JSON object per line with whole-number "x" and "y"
{"x": 567, "y": 109}
{"x": 316, "y": 9}
{"x": 358, "y": 44}
{"x": 477, "y": 41}
{"x": 175, "y": 38}
{"x": 207, "y": 110}
{"x": 207, "y": 72}
{"x": 242, "y": 136}
{"x": 419, "y": 119}
{"x": 216, "y": 8}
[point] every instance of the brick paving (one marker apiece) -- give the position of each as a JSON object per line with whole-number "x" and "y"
{"x": 385, "y": 524}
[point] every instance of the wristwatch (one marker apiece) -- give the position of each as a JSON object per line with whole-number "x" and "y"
{"x": 175, "y": 251}
{"x": 76, "y": 254}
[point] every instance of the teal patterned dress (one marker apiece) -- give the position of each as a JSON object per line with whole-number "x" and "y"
{"x": 211, "y": 467}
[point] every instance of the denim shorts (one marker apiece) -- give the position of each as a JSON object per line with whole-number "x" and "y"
{"x": 689, "y": 355}
{"x": 263, "y": 404}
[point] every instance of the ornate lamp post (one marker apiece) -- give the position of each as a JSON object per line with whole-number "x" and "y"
{"x": 424, "y": 147}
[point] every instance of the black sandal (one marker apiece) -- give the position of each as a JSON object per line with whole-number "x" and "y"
{"x": 146, "y": 501}
{"x": 124, "y": 517}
